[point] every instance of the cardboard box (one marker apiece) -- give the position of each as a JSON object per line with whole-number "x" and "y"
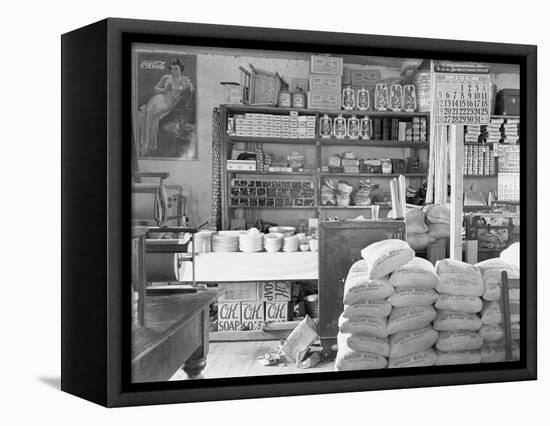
{"x": 239, "y": 291}
{"x": 324, "y": 100}
{"x": 229, "y": 316}
{"x": 325, "y": 83}
{"x": 244, "y": 165}
{"x": 276, "y": 311}
{"x": 364, "y": 78}
{"x": 275, "y": 291}
{"x": 326, "y": 65}
{"x": 252, "y": 315}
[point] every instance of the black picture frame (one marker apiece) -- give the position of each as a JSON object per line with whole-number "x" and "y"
{"x": 96, "y": 140}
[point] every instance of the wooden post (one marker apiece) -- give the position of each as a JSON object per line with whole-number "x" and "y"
{"x": 456, "y": 145}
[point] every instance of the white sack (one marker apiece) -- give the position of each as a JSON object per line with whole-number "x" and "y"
{"x": 384, "y": 257}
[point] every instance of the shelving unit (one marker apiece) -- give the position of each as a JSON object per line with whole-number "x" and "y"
{"x": 313, "y": 170}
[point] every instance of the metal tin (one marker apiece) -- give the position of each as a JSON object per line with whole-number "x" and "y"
{"x": 298, "y": 100}
{"x": 285, "y": 99}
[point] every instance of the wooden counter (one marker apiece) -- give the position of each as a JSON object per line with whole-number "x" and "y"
{"x": 176, "y": 335}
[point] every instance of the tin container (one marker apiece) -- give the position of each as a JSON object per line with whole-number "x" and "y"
{"x": 285, "y": 99}
{"x": 298, "y": 100}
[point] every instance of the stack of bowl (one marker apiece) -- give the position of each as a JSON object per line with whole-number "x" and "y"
{"x": 290, "y": 244}
{"x": 273, "y": 242}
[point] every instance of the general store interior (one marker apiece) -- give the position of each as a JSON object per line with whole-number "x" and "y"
{"x": 274, "y": 219}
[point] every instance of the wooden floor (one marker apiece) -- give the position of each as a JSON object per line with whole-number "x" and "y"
{"x": 238, "y": 359}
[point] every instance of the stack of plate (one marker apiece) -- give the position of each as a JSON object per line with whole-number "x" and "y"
{"x": 250, "y": 242}
{"x": 273, "y": 242}
{"x": 225, "y": 243}
{"x": 291, "y": 243}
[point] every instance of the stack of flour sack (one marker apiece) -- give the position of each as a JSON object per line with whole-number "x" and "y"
{"x": 460, "y": 290}
{"x": 492, "y": 331}
{"x": 388, "y": 310}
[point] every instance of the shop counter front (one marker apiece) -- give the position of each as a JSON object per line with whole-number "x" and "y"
{"x": 216, "y": 267}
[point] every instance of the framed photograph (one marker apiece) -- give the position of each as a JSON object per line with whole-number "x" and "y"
{"x": 338, "y": 277}
{"x": 164, "y": 104}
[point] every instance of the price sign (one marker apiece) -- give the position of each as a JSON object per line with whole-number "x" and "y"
{"x": 462, "y": 95}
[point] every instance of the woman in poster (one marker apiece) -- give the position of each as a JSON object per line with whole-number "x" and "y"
{"x": 168, "y": 93}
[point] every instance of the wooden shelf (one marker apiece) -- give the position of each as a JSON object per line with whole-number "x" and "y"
{"x": 280, "y": 141}
{"x": 505, "y": 116}
{"x": 353, "y": 207}
{"x": 242, "y": 109}
{"x": 274, "y": 207}
{"x": 374, "y": 143}
{"x": 244, "y": 172}
{"x": 375, "y": 175}
{"x": 480, "y": 176}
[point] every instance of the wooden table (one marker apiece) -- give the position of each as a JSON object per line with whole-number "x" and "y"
{"x": 176, "y": 334}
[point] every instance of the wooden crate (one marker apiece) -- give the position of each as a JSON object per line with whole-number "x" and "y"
{"x": 252, "y": 315}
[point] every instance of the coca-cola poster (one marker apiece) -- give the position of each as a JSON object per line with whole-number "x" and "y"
{"x": 164, "y": 110}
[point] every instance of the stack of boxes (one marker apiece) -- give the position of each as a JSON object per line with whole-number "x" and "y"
{"x": 479, "y": 160}
{"x": 247, "y": 306}
{"x": 473, "y": 131}
{"x": 510, "y": 131}
{"x": 492, "y": 132}
{"x": 325, "y": 83}
{"x": 275, "y": 125}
